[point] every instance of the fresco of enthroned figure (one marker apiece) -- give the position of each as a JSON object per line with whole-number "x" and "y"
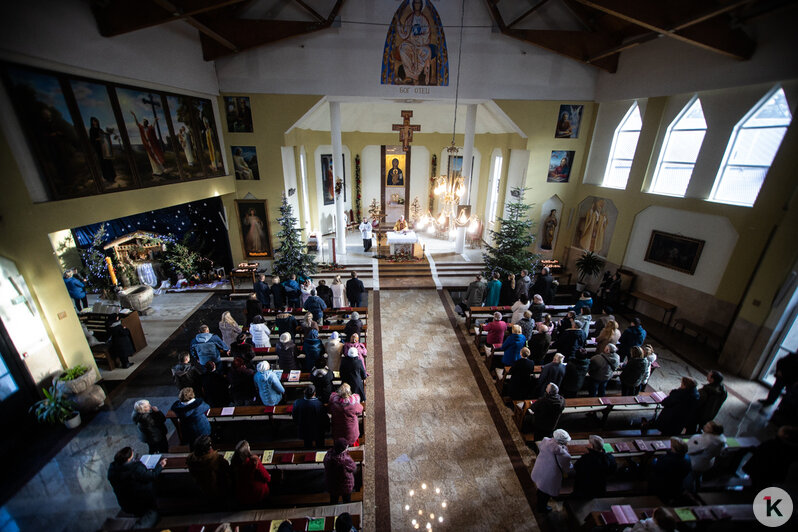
{"x": 415, "y": 48}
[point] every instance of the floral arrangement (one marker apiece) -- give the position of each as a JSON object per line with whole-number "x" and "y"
{"x": 357, "y": 188}
{"x": 403, "y": 256}
{"x": 339, "y": 186}
{"x": 432, "y": 178}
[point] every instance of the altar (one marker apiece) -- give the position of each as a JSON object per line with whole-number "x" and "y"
{"x": 401, "y": 242}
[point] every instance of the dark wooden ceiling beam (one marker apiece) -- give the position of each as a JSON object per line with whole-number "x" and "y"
{"x": 527, "y": 13}
{"x": 698, "y": 22}
{"x": 310, "y": 10}
{"x": 115, "y": 17}
{"x": 203, "y": 28}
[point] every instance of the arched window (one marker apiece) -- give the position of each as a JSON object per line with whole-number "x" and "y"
{"x": 680, "y": 150}
{"x": 622, "y": 151}
{"x": 495, "y": 184}
{"x": 751, "y": 149}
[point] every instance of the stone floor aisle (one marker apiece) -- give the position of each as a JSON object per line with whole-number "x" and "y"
{"x": 439, "y": 429}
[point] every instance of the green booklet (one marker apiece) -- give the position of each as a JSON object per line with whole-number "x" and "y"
{"x": 685, "y": 514}
{"x": 608, "y": 448}
{"x": 316, "y": 523}
{"x": 732, "y": 442}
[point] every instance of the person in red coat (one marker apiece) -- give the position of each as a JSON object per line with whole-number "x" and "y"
{"x": 339, "y": 472}
{"x": 250, "y": 478}
{"x": 496, "y": 329}
{"x": 344, "y": 407}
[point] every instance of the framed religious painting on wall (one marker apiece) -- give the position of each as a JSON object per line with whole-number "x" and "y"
{"x": 187, "y": 135}
{"x": 568, "y": 120}
{"x": 245, "y": 163}
{"x": 672, "y": 251}
{"x": 253, "y": 220}
{"x": 328, "y": 177}
{"x": 211, "y": 151}
{"x": 239, "y": 114}
{"x": 560, "y": 166}
{"x": 42, "y": 104}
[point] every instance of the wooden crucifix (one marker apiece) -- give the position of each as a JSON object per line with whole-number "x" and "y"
{"x": 406, "y": 129}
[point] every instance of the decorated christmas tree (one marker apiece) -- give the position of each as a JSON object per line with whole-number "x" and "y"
{"x": 291, "y": 256}
{"x": 510, "y": 252}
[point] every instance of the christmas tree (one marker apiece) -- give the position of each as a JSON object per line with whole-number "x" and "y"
{"x": 512, "y": 242}
{"x": 291, "y": 256}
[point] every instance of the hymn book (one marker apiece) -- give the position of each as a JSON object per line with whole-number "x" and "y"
{"x": 315, "y": 523}
{"x": 294, "y": 375}
{"x": 624, "y": 514}
{"x": 228, "y": 410}
{"x": 150, "y": 460}
{"x": 267, "y": 457}
{"x": 228, "y": 455}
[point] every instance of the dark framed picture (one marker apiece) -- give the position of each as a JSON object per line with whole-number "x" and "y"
{"x": 396, "y": 169}
{"x": 186, "y": 134}
{"x": 253, "y": 219}
{"x": 676, "y": 252}
{"x": 148, "y": 135}
{"x": 328, "y": 177}
{"x": 239, "y": 114}
{"x": 560, "y": 166}
{"x": 107, "y": 147}
{"x": 211, "y": 152}
{"x": 245, "y": 163}
{"x": 42, "y": 104}
{"x": 568, "y": 120}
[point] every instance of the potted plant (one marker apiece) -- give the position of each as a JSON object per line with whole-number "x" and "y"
{"x": 588, "y": 265}
{"x": 55, "y": 408}
{"x": 75, "y": 380}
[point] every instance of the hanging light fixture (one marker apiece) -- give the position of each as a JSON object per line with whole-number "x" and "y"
{"x": 450, "y": 190}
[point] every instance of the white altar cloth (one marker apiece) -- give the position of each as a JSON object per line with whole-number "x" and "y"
{"x": 401, "y": 242}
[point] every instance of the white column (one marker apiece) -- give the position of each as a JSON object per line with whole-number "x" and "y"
{"x": 468, "y": 153}
{"x": 338, "y": 153}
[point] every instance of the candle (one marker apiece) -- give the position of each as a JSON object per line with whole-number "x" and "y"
{"x": 111, "y": 270}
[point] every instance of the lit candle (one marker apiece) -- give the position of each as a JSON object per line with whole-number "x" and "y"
{"x": 111, "y": 270}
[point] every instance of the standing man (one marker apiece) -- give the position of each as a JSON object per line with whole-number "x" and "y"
{"x": 634, "y": 335}
{"x": 475, "y": 294}
{"x": 77, "y": 289}
{"x": 522, "y": 285}
{"x": 206, "y": 346}
{"x": 543, "y": 286}
{"x": 354, "y": 290}
{"x": 263, "y": 292}
{"x": 316, "y": 305}
{"x": 134, "y": 487}
{"x": 311, "y": 419}
{"x": 365, "y": 231}
{"x": 292, "y": 292}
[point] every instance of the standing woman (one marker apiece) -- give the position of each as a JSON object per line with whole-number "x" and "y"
{"x": 286, "y": 352}
{"x": 355, "y": 342}
{"x": 353, "y": 373}
{"x": 260, "y": 332}
{"x": 152, "y": 426}
{"x": 338, "y": 290}
{"x": 269, "y": 387}
{"x": 494, "y": 289}
{"x": 250, "y": 478}
{"x": 610, "y": 334}
{"x": 519, "y": 307}
{"x": 334, "y": 348}
{"x": 229, "y": 328}
{"x": 339, "y": 471}
{"x": 552, "y": 463}
{"x": 312, "y": 348}
{"x": 507, "y": 291}
{"x": 76, "y": 289}
{"x": 344, "y": 407}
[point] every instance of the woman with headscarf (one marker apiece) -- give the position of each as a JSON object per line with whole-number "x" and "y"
{"x": 518, "y": 308}
{"x": 270, "y": 389}
{"x": 352, "y": 372}
{"x": 339, "y": 472}
{"x": 334, "y": 349}
{"x": 552, "y": 463}
{"x": 286, "y": 352}
{"x": 312, "y": 349}
{"x": 354, "y": 341}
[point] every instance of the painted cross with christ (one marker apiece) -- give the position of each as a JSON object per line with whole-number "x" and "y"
{"x": 406, "y": 129}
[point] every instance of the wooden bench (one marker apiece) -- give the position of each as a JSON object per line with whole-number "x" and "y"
{"x": 682, "y": 514}
{"x": 473, "y": 313}
{"x": 284, "y": 460}
{"x": 703, "y": 333}
{"x": 604, "y": 405}
{"x": 668, "y": 308}
{"x": 647, "y": 445}
{"x": 297, "y": 524}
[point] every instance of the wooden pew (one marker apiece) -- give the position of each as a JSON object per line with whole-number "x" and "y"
{"x": 474, "y": 313}
{"x": 298, "y": 524}
{"x": 650, "y": 445}
{"x": 284, "y": 460}
{"x": 682, "y": 514}
{"x": 668, "y": 308}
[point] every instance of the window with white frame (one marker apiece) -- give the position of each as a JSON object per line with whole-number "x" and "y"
{"x": 303, "y": 174}
{"x": 751, "y": 149}
{"x": 495, "y": 183}
{"x": 680, "y": 150}
{"x": 622, "y": 151}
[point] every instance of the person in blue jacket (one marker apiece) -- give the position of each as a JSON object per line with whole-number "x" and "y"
{"x": 316, "y": 305}
{"x": 313, "y": 349}
{"x": 268, "y": 383}
{"x": 192, "y": 413}
{"x": 206, "y": 346}
{"x": 493, "y": 291}
{"x": 512, "y": 346}
{"x": 77, "y": 290}
{"x": 632, "y": 336}
{"x": 585, "y": 300}
{"x": 293, "y": 294}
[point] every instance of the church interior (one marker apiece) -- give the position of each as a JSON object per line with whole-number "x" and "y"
{"x": 422, "y": 168}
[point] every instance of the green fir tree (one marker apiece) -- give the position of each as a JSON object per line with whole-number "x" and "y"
{"x": 511, "y": 251}
{"x": 291, "y": 256}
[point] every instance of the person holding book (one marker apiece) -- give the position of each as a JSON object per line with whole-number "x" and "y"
{"x": 339, "y": 472}
{"x": 345, "y": 407}
{"x": 703, "y": 449}
{"x": 191, "y": 412}
{"x": 209, "y": 470}
{"x": 134, "y": 487}
{"x": 592, "y": 470}
{"x": 310, "y": 418}
{"x": 286, "y": 352}
{"x": 250, "y": 478}
{"x": 268, "y": 383}
{"x": 151, "y": 423}
{"x": 551, "y": 465}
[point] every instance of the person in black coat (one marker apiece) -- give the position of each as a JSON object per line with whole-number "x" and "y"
{"x": 786, "y": 375}
{"x": 538, "y": 346}
{"x": 354, "y": 290}
{"x": 677, "y": 408}
{"x": 507, "y": 291}
{"x": 121, "y": 344}
{"x": 286, "y": 353}
{"x": 352, "y": 372}
{"x": 278, "y": 293}
{"x": 134, "y": 487}
{"x": 215, "y": 387}
{"x": 575, "y": 373}
{"x": 285, "y": 322}
{"x": 668, "y": 472}
{"x": 253, "y": 308}
{"x": 322, "y": 379}
{"x": 325, "y": 293}
{"x": 242, "y": 384}
{"x": 523, "y": 383}
{"x": 311, "y": 419}
{"x": 592, "y": 470}
{"x": 186, "y": 374}
{"x": 771, "y": 461}
{"x": 571, "y": 338}
{"x": 353, "y": 326}
{"x": 263, "y": 292}
{"x": 152, "y": 426}
{"x": 543, "y": 286}
{"x": 553, "y": 372}
{"x": 547, "y": 411}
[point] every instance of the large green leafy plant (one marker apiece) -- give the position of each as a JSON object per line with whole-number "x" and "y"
{"x": 54, "y": 408}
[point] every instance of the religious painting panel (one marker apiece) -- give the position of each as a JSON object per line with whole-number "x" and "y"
{"x": 672, "y": 251}
{"x": 597, "y": 218}
{"x": 148, "y": 135}
{"x": 328, "y": 177}
{"x": 550, "y": 222}
{"x": 186, "y": 135}
{"x": 568, "y": 120}
{"x": 253, "y": 218}
{"x": 211, "y": 152}
{"x": 415, "y": 50}
{"x": 245, "y": 163}
{"x": 108, "y": 148}
{"x": 41, "y": 103}
{"x": 560, "y": 166}
{"x": 395, "y": 167}
{"x": 239, "y": 114}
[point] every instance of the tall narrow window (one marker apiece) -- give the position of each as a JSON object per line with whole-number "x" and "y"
{"x": 751, "y": 149}
{"x": 680, "y": 150}
{"x": 303, "y": 173}
{"x": 624, "y": 143}
{"x": 495, "y": 182}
